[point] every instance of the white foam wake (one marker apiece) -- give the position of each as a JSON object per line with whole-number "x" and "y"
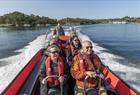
{"x": 17, "y": 62}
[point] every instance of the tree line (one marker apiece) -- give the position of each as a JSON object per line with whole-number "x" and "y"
{"x": 82, "y": 21}
{"x": 21, "y": 19}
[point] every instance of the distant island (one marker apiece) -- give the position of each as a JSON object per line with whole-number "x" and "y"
{"x": 20, "y": 19}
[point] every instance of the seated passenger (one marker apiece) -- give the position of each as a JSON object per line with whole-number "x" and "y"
{"x": 85, "y": 65}
{"x": 73, "y": 48}
{"x": 72, "y": 34}
{"x": 53, "y": 65}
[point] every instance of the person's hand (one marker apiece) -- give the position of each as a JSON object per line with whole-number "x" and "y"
{"x": 91, "y": 74}
{"x": 44, "y": 81}
{"x": 61, "y": 79}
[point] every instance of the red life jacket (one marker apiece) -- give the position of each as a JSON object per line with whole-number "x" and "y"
{"x": 82, "y": 62}
{"x": 60, "y": 71}
{"x": 72, "y": 49}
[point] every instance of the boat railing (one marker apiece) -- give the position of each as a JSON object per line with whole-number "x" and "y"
{"x": 17, "y": 83}
{"x": 117, "y": 82}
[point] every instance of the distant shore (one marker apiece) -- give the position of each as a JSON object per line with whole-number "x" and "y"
{"x": 18, "y": 19}
{"x": 25, "y": 25}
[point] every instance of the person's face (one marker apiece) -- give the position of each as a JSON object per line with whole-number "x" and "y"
{"x": 87, "y": 48}
{"x": 75, "y": 41}
{"x": 54, "y": 53}
{"x": 73, "y": 34}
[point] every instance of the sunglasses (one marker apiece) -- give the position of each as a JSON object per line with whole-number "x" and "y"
{"x": 76, "y": 40}
{"x": 53, "y": 52}
{"x": 89, "y": 47}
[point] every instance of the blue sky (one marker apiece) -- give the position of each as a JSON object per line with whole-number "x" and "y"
{"x": 96, "y": 9}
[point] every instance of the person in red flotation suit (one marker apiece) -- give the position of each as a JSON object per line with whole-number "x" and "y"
{"x": 53, "y": 65}
{"x": 86, "y": 64}
{"x": 72, "y": 34}
{"x": 72, "y": 50}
